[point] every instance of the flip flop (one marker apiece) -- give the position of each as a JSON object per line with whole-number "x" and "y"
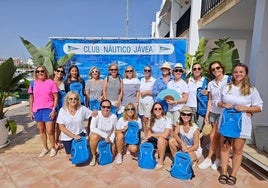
{"x": 223, "y": 179}
{"x": 231, "y": 180}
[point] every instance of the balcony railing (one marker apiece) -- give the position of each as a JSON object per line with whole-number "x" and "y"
{"x": 208, "y": 5}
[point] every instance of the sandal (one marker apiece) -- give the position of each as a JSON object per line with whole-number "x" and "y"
{"x": 223, "y": 179}
{"x": 231, "y": 180}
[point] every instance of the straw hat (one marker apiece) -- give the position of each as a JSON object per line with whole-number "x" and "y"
{"x": 179, "y": 66}
{"x": 186, "y": 109}
{"x": 166, "y": 65}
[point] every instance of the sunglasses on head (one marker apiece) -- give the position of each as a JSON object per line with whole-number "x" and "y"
{"x": 61, "y": 71}
{"x": 129, "y": 109}
{"x": 216, "y": 68}
{"x": 72, "y": 99}
{"x": 107, "y": 107}
{"x": 113, "y": 69}
{"x": 147, "y": 70}
{"x": 40, "y": 71}
{"x": 178, "y": 70}
{"x": 197, "y": 69}
{"x": 157, "y": 109}
{"x": 184, "y": 114}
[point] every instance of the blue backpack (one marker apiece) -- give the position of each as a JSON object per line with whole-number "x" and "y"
{"x": 231, "y": 123}
{"x": 132, "y": 134}
{"x": 182, "y": 166}
{"x": 202, "y": 100}
{"x": 146, "y": 158}
{"x": 105, "y": 154}
{"x": 94, "y": 104}
{"x": 79, "y": 151}
{"x": 61, "y": 95}
{"x": 78, "y": 87}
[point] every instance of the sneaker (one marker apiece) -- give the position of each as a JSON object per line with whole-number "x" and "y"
{"x": 53, "y": 152}
{"x": 216, "y": 164}
{"x": 93, "y": 161}
{"x": 119, "y": 159}
{"x": 205, "y": 164}
{"x": 43, "y": 152}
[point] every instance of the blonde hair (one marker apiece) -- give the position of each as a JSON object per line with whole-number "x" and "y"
{"x": 94, "y": 68}
{"x": 134, "y": 74}
{"x": 125, "y": 116}
{"x": 66, "y": 100}
{"x": 44, "y": 68}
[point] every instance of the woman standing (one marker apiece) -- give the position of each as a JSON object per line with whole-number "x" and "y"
{"x": 102, "y": 127}
{"x": 146, "y": 99}
{"x": 245, "y": 98}
{"x": 130, "y": 114}
{"x": 194, "y": 82}
{"x": 58, "y": 76}
{"x": 113, "y": 87}
{"x": 43, "y": 102}
{"x": 75, "y": 83}
{"x": 94, "y": 89}
{"x": 159, "y": 131}
{"x": 179, "y": 85}
{"x": 161, "y": 82}
{"x": 71, "y": 120}
{"x": 213, "y": 114}
{"x": 186, "y": 136}
{"x": 131, "y": 93}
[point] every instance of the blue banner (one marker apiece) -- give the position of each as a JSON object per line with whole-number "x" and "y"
{"x": 124, "y": 52}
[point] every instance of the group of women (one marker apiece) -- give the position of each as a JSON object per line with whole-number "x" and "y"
{"x": 110, "y": 104}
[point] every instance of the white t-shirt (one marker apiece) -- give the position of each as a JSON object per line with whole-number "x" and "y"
{"x": 181, "y": 87}
{"x": 122, "y": 123}
{"x": 235, "y": 98}
{"x": 192, "y": 86}
{"x": 160, "y": 125}
{"x": 147, "y": 86}
{"x": 74, "y": 124}
{"x": 104, "y": 126}
{"x": 214, "y": 90}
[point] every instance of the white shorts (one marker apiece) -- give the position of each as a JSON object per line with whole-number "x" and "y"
{"x": 174, "y": 116}
{"x": 145, "y": 109}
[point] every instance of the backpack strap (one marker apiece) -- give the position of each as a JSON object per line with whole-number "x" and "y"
{"x": 204, "y": 85}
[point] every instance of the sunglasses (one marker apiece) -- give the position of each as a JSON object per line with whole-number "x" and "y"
{"x": 178, "y": 70}
{"x": 183, "y": 114}
{"x": 71, "y": 99}
{"x": 216, "y": 68}
{"x": 95, "y": 72}
{"x": 157, "y": 109}
{"x": 40, "y": 71}
{"x": 107, "y": 107}
{"x": 129, "y": 70}
{"x": 60, "y": 71}
{"x": 197, "y": 69}
{"x": 129, "y": 109}
{"x": 145, "y": 70}
{"x": 113, "y": 69}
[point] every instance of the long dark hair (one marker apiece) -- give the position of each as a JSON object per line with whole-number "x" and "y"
{"x": 153, "y": 117}
{"x": 79, "y": 79}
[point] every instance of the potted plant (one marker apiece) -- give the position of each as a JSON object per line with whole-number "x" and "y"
{"x": 8, "y": 83}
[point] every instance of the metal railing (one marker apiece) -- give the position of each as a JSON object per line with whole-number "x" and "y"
{"x": 208, "y": 5}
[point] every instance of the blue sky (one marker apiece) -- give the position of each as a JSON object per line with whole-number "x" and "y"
{"x": 37, "y": 20}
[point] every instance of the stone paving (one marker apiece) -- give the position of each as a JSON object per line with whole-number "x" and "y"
{"x": 21, "y": 167}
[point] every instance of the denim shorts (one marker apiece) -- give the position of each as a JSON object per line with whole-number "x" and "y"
{"x": 42, "y": 115}
{"x": 213, "y": 117}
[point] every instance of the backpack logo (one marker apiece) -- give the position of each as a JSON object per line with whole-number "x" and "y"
{"x": 105, "y": 154}
{"x": 182, "y": 166}
{"x": 132, "y": 133}
{"x": 146, "y": 158}
{"x": 79, "y": 151}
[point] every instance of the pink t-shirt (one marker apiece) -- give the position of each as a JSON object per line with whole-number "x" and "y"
{"x": 43, "y": 94}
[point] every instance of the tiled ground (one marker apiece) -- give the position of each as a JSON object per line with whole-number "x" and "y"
{"x": 21, "y": 167}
